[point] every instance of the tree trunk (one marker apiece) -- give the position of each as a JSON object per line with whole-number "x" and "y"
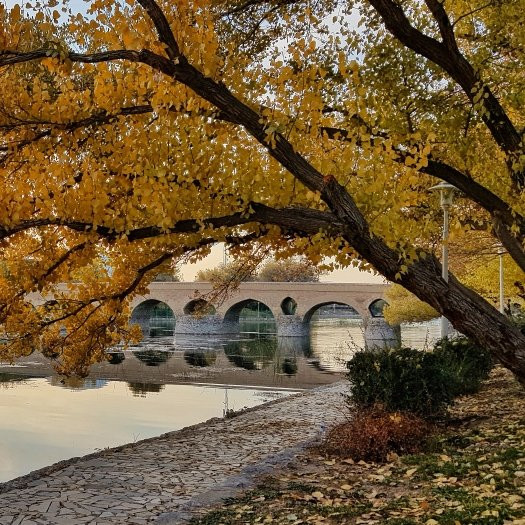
{"x": 468, "y": 312}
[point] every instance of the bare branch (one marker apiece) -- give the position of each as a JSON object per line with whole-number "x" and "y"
{"x": 471, "y": 12}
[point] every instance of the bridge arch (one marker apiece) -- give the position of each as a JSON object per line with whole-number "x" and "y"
{"x": 343, "y": 323}
{"x": 154, "y": 317}
{"x": 199, "y": 307}
{"x": 347, "y": 309}
{"x": 248, "y": 310}
{"x": 376, "y": 307}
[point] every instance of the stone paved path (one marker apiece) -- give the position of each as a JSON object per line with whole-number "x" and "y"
{"x": 137, "y": 483}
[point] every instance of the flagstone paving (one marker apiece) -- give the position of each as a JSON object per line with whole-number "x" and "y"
{"x": 137, "y": 483}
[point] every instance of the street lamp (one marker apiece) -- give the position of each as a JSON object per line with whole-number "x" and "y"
{"x": 446, "y": 192}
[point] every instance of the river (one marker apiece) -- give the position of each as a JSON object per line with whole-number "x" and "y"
{"x": 164, "y": 384}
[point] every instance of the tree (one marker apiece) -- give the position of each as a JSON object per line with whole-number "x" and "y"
{"x": 171, "y": 275}
{"x": 234, "y": 271}
{"x": 288, "y": 270}
{"x": 152, "y": 131}
{"x": 284, "y": 270}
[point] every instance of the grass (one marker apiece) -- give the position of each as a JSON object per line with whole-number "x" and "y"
{"x": 473, "y": 474}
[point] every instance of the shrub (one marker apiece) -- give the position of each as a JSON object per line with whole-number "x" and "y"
{"x": 518, "y": 318}
{"x": 374, "y": 433}
{"x": 401, "y": 380}
{"x": 467, "y": 363}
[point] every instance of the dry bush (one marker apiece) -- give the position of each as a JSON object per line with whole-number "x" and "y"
{"x": 374, "y": 433}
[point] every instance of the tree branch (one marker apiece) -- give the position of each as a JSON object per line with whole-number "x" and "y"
{"x": 300, "y": 220}
{"x": 478, "y": 193}
{"x": 445, "y": 27}
{"x": 163, "y": 28}
{"x": 457, "y": 66}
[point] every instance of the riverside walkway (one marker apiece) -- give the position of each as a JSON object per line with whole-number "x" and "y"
{"x": 156, "y": 479}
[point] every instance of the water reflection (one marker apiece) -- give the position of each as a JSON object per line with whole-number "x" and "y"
{"x": 289, "y": 366}
{"x": 77, "y": 383}
{"x": 295, "y": 345}
{"x": 256, "y": 325}
{"x": 252, "y": 354}
{"x": 200, "y": 358}
{"x": 151, "y": 357}
{"x": 44, "y": 420}
{"x": 41, "y": 424}
{"x": 258, "y": 358}
{"x": 8, "y": 380}
{"x": 115, "y": 358}
{"x": 143, "y": 389}
{"x": 249, "y": 358}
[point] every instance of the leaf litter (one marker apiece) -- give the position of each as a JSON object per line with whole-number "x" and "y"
{"x": 473, "y": 472}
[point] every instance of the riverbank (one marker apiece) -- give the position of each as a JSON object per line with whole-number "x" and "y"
{"x": 473, "y": 473}
{"x": 138, "y": 483}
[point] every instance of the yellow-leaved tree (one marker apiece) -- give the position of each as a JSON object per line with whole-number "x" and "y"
{"x": 142, "y": 133}
{"x": 475, "y": 258}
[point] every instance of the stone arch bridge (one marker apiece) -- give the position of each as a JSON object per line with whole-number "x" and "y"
{"x": 291, "y": 304}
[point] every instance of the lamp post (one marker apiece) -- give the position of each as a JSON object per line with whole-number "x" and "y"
{"x": 446, "y": 192}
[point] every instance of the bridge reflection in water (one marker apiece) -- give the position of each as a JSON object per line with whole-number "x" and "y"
{"x": 250, "y": 358}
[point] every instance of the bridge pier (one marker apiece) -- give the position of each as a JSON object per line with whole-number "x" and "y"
{"x": 230, "y": 327}
{"x": 291, "y": 326}
{"x": 191, "y": 324}
{"x": 379, "y": 334}
{"x": 293, "y": 346}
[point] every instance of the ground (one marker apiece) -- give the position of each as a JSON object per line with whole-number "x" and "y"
{"x": 473, "y": 472}
{"x": 139, "y": 482}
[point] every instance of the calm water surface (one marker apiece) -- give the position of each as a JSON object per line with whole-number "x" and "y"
{"x": 165, "y": 384}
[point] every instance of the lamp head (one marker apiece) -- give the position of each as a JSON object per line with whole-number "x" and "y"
{"x": 446, "y": 192}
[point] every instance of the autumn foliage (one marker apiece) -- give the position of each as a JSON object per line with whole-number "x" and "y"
{"x": 376, "y": 434}
{"x": 135, "y": 136}
{"x": 270, "y": 270}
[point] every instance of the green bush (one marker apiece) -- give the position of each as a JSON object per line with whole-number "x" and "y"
{"x": 467, "y": 363}
{"x": 401, "y": 379}
{"x": 518, "y": 318}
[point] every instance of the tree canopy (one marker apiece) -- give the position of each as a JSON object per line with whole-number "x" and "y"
{"x": 226, "y": 273}
{"x": 145, "y": 132}
{"x": 289, "y": 270}
{"x": 297, "y": 269}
